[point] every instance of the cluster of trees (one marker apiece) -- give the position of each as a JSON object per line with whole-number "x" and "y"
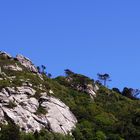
{"x": 42, "y": 70}
{"x": 76, "y": 81}
{"x": 111, "y": 116}
{"x": 102, "y": 80}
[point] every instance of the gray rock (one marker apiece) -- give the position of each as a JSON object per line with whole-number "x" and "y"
{"x": 26, "y": 90}
{"x": 58, "y": 118}
{"x": 13, "y": 67}
{"x": 96, "y": 88}
{"x": 26, "y": 63}
{"x": 90, "y": 90}
{"x": 6, "y": 55}
{"x": 21, "y": 106}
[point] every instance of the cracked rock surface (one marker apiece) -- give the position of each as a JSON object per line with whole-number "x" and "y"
{"x": 19, "y": 105}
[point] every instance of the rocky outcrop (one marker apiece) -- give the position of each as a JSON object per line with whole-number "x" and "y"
{"x": 59, "y": 117}
{"x": 20, "y": 105}
{"x": 26, "y": 90}
{"x": 80, "y": 83}
{"x": 13, "y": 67}
{"x": 26, "y": 63}
{"x": 22, "y": 102}
{"x": 6, "y": 55}
{"x": 91, "y": 90}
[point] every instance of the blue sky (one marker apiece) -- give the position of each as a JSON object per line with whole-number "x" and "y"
{"x": 88, "y": 37}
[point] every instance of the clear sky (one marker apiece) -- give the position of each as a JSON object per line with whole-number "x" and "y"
{"x": 86, "y": 36}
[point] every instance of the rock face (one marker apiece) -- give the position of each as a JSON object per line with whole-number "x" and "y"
{"x": 26, "y": 63}
{"x": 20, "y": 105}
{"x": 81, "y": 83}
{"x": 60, "y": 118}
{"x": 6, "y": 55}
{"x": 90, "y": 90}
{"x": 28, "y": 101}
{"x": 13, "y": 67}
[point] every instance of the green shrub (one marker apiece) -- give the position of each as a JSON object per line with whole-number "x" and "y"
{"x": 11, "y": 105}
{"x": 100, "y": 136}
{"x": 41, "y": 110}
{"x": 104, "y": 119}
{"x": 10, "y": 132}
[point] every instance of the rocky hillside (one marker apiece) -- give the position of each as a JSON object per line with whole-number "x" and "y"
{"x": 71, "y": 107}
{"x": 26, "y": 100}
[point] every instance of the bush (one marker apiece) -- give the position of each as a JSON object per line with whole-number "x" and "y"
{"x": 100, "y": 136}
{"x": 41, "y": 110}
{"x": 10, "y": 132}
{"x": 11, "y": 105}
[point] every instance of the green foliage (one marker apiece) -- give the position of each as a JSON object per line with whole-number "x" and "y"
{"x": 29, "y": 136}
{"x": 110, "y": 116}
{"x": 105, "y": 119}
{"x": 11, "y": 105}
{"x": 44, "y": 135}
{"x": 74, "y": 80}
{"x": 128, "y": 93}
{"x": 4, "y": 83}
{"x": 41, "y": 110}
{"x": 100, "y": 135}
{"x": 9, "y": 132}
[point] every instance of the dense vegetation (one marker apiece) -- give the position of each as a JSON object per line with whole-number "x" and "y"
{"x": 109, "y": 116}
{"x": 12, "y": 132}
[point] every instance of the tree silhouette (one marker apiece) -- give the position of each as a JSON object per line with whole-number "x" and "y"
{"x": 43, "y": 69}
{"x": 104, "y": 77}
{"x": 68, "y": 72}
{"x": 49, "y": 75}
{"x": 38, "y": 68}
{"x": 128, "y": 92}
